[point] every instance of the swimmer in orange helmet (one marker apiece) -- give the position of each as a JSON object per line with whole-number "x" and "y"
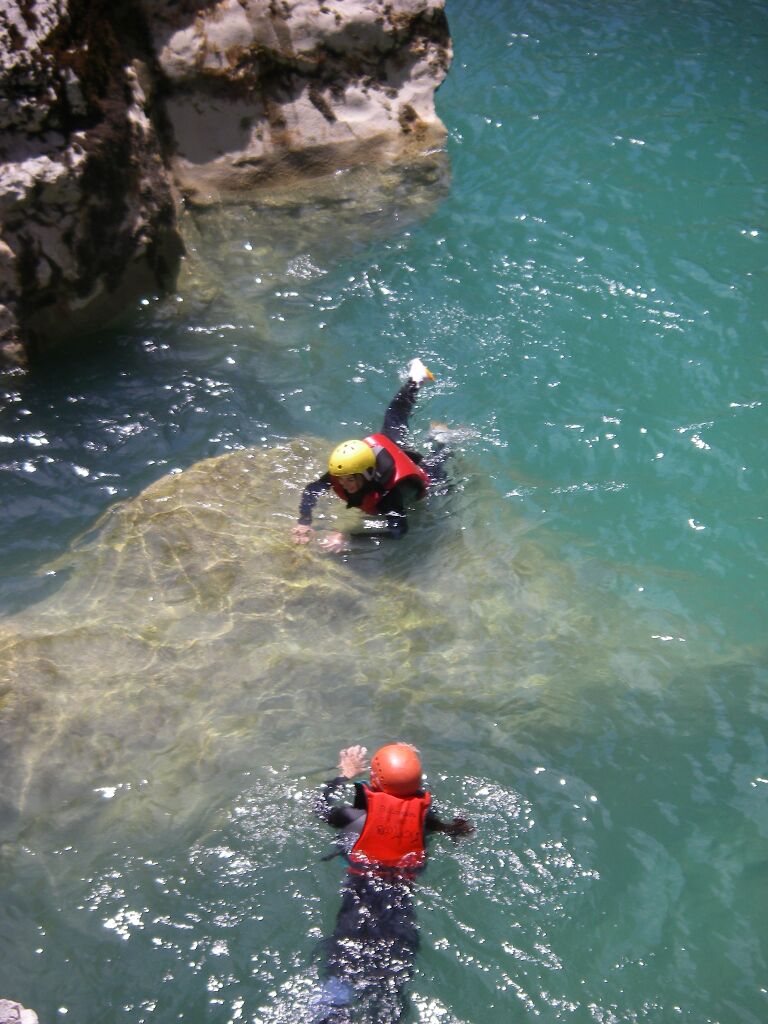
{"x": 379, "y": 474}
{"x": 369, "y": 958}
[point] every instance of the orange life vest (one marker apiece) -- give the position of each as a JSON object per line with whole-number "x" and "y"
{"x": 404, "y": 468}
{"x": 393, "y": 833}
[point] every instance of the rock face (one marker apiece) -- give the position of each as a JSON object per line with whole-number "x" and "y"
{"x": 110, "y": 113}
{"x": 86, "y": 204}
{"x": 14, "y": 1013}
{"x": 268, "y": 90}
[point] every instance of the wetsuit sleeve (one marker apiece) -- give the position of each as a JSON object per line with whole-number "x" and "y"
{"x": 339, "y": 815}
{"x": 309, "y": 498}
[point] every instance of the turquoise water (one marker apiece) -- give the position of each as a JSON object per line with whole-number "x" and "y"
{"x": 587, "y": 674}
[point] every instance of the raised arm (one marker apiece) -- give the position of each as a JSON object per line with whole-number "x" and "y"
{"x": 352, "y": 762}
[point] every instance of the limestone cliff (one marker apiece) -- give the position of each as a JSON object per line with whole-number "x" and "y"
{"x": 114, "y": 114}
{"x": 12, "y": 1012}
{"x": 265, "y": 90}
{"x": 86, "y": 205}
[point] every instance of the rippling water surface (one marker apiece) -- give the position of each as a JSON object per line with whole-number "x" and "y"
{"x": 575, "y": 637}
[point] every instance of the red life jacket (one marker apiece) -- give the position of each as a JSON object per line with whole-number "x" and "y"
{"x": 393, "y": 833}
{"x": 404, "y": 469}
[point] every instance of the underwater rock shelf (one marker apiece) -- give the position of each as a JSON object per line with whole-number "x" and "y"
{"x": 188, "y": 632}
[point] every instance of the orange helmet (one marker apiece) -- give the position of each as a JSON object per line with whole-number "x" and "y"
{"x": 396, "y": 769}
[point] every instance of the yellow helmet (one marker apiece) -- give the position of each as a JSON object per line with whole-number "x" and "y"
{"x": 351, "y": 457}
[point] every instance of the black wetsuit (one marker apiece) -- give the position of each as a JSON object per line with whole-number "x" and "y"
{"x": 369, "y": 959}
{"x": 392, "y": 504}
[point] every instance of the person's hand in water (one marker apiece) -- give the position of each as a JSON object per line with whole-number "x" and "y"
{"x": 460, "y": 827}
{"x": 456, "y": 829}
{"x": 334, "y": 542}
{"x": 353, "y": 761}
{"x": 302, "y": 533}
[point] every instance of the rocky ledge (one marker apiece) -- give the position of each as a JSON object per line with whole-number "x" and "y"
{"x": 14, "y": 1013}
{"x": 113, "y": 115}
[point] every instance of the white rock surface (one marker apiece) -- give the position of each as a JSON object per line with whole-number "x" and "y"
{"x": 14, "y": 1013}
{"x": 262, "y": 91}
{"x": 110, "y": 116}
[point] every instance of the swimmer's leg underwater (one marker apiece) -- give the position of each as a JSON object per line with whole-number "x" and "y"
{"x": 369, "y": 958}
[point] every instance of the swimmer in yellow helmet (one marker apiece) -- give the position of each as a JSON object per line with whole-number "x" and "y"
{"x": 377, "y": 474}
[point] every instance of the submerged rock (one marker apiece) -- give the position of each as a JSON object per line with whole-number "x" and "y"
{"x": 112, "y": 114}
{"x": 191, "y": 640}
{"x": 188, "y": 623}
{"x": 298, "y": 234}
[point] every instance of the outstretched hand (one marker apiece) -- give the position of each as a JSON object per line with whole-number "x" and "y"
{"x": 353, "y": 761}
{"x": 334, "y": 542}
{"x": 459, "y": 827}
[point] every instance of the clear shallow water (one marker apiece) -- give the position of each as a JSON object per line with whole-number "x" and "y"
{"x": 590, "y": 294}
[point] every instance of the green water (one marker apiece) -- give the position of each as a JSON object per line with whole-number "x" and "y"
{"x": 574, "y": 637}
